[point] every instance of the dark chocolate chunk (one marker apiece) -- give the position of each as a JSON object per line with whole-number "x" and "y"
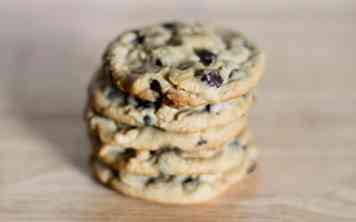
{"x": 190, "y": 184}
{"x": 140, "y": 39}
{"x": 207, "y": 108}
{"x": 156, "y": 154}
{"x": 206, "y": 57}
{"x": 143, "y": 104}
{"x": 188, "y": 180}
{"x": 191, "y": 181}
{"x": 202, "y": 142}
{"x": 156, "y": 86}
{"x": 199, "y": 72}
{"x": 128, "y": 154}
{"x": 158, "y": 62}
{"x": 153, "y": 156}
{"x": 244, "y": 147}
{"x": 162, "y": 177}
{"x": 212, "y": 78}
{"x": 170, "y": 25}
{"x": 147, "y": 120}
{"x": 158, "y": 103}
{"x": 252, "y": 168}
{"x": 115, "y": 173}
{"x": 151, "y": 181}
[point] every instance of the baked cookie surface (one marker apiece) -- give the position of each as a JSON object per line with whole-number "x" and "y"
{"x": 152, "y": 138}
{"x": 184, "y": 65}
{"x": 172, "y": 189}
{"x": 173, "y": 161}
{"x": 119, "y": 106}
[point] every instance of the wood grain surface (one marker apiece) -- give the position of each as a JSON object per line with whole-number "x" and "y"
{"x": 304, "y": 120}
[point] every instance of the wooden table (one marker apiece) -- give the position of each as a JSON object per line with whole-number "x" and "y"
{"x": 304, "y": 120}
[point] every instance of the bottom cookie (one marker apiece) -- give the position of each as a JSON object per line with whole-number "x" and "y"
{"x": 173, "y": 189}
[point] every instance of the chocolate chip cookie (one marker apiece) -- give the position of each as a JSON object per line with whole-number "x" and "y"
{"x": 152, "y": 138}
{"x": 123, "y": 108}
{"x": 167, "y": 112}
{"x": 184, "y": 65}
{"x": 172, "y": 189}
{"x": 173, "y": 161}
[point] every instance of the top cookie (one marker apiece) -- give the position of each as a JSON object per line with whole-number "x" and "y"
{"x": 184, "y": 65}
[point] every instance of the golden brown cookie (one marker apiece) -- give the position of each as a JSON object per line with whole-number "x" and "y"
{"x": 184, "y": 64}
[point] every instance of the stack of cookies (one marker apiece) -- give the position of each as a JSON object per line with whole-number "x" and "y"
{"x": 167, "y": 112}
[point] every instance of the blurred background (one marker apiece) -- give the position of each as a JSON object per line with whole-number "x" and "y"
{"x": 304, "y": 119}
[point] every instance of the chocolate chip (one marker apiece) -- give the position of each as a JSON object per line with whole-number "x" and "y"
{"x": 115, "y": 173}
{"x": 206, "y": 57}
{"x": 158, "y": 62}
{"x": 156, "y": 154}
{"x": 188, "y": 180}
{"x": 161, "y": 177}
{"x": 190, "y": 183}
{"x": 128, "y": 154}
{"x": 244, "y": 147}
{"x": 252, "y": 168}
{"x": 170, "y": 25}
{"x": 140, "y": 39}
{"x": 212, "y": 78}
{"x": 207, "y": 108}
{"x": 143, "y": 104}
{"x": 150, "y": 181}
{"x": 185, "y": 65}
{"x": 199, "y": 72}
{"x": 156, "y": 86}
{"x": 202, "y": 142}
{"x": 147, "y": 120}
{"x": 158, "y": 103}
